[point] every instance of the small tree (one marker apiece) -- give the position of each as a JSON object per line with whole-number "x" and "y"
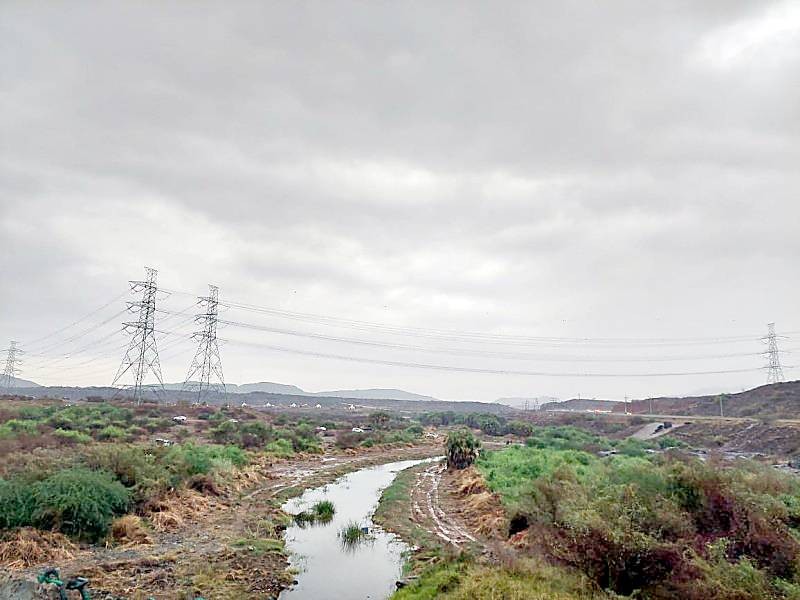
{"x": 380, "y": 419}
{"x": 462, "y": 449}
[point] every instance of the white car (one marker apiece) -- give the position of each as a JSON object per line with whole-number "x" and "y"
{"x": 179, "y": 419}
{"x": 357, "y": 430}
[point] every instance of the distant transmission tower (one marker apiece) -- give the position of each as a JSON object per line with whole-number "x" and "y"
{"x": 142, "y": 354}
{"x": 774, "y": 370}
{"x": 206, "y": 361}
{"x": 11, "y": 371}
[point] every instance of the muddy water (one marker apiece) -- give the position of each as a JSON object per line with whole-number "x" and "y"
{"x": 327, "y": 570}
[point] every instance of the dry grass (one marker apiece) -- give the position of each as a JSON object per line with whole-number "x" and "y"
{"x": 174, "y": 511}
{"x": 29, "y": 547}
{"x": 135, "y": 579}
{"x": 130, "y": 531}
{"x": 469, "y": 481}
{"x": 481, "y": 508}
{"x": 236, "y": 574}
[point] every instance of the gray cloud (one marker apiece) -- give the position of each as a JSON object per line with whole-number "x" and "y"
{"x": 571, "y": 169}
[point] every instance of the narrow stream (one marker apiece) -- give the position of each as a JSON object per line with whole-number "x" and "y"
{"x": 329, "y": 571}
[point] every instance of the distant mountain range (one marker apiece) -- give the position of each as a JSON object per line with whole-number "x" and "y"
{"x": 292, "y": 390}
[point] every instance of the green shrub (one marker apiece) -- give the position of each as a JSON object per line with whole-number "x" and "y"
{"x": 76, "y": 437}
{"x": 280, "y": 447}
{"x": 666, "y": 525}
{"x": 79, "y": 502}
{"x": 36, "y": 413}
{"x": 145, "y": 472}
{"x": 312, "y": 446}
{"x": 16, "y": 504}
{"x": 14, "y": 427}
{"x": 111, "y": 432}
{"x": 194, "y": 459}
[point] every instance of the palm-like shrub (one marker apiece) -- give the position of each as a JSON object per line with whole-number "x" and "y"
{"x": 462, "y": 449}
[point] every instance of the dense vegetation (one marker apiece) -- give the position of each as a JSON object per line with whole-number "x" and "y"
{"x": 487, "y": 423}
{"x": 74, "y": 468}
{"x": 80, "y": 493}
{"x": 663, "y": 525}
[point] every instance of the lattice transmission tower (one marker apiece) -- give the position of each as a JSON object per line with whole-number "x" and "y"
{"x": 11, "y": 371}
{"x": 207, "y": 361}
{"x": 774, "y": 370}
{"x": 142, "y": 355}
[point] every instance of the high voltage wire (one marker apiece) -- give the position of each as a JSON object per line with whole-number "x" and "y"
{"x": 436, "y": 367}
{"x": 80, "y": 334}
{"x": 80, "y": 320}
{"x": 96, "y": 345}
{"x": 466, "y": 336}
{"x": 479, "y": 353}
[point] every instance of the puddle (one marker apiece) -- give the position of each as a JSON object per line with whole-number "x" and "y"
{"x": 330, "y": 571}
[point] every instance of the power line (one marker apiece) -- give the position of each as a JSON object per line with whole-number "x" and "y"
{"x": 436, "y": 367}
{"x": 83, "y": 318}
{"x": 477, "y": 337}
{"x": 142, "y": 353}
{"x": 207, "y": 360}
{"x": 11, "y": 371}
{"x": 774, "y": 370}
{"x": 479, "y": 353}
{"x": 43, "y": 351}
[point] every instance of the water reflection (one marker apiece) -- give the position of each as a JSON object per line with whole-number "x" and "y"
{"x": 332, "y": 568}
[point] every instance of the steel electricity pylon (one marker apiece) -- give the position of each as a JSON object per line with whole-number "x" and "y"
{"x": 142, "y": 355}
{"x": 11, "y": 371}
{"x": 206, "y": 362}
{"x": 774, "y": 370}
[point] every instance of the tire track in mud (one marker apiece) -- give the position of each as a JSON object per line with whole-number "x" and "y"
{"x": 427, "y": 507}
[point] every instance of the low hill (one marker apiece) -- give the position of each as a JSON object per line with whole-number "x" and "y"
{"x": 777, "y": 400}
{"x": 246, "y": 388}
{"x": 377, "y": 394}
{"x": 23, "y": 383}
{"x": 531, "y": 402}
{"x": 583, "y": 404}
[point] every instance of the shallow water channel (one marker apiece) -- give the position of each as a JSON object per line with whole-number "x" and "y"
{"x": 328, "y": 570}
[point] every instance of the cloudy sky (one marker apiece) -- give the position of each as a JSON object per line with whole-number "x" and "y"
{"x": 587, "y": 188}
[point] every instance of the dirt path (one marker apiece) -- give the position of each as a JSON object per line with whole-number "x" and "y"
{"x": 427, "y": 508}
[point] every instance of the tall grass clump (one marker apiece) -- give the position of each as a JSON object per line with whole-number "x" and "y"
{"x": 351, "y": 535}
{"x": 324, "y": 510}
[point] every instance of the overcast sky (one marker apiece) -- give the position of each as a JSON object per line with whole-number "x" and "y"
{"x": 623, "y": 170}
